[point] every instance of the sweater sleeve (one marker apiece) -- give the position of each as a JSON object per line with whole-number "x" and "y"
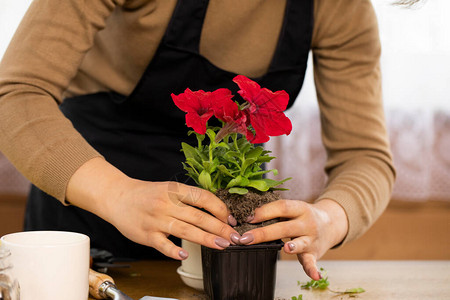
{"x": 42, "y": 58}
{"x": 346, "y": 51}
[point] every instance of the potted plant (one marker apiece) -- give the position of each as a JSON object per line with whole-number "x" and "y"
{"x": 229, "y": 162}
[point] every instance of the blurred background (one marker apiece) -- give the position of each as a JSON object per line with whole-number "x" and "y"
{"x": 416, "y": 91}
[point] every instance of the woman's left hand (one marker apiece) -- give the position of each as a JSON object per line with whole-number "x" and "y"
{"x": 313, "y": 228}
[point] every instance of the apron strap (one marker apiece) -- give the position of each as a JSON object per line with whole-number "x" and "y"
{"x": 295, "y": 36}
{"x": 185, "y": 28}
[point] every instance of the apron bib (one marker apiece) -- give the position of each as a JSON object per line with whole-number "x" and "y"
{"x": 141, "y": 134}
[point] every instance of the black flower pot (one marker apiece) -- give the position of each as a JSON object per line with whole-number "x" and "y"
{"x": 241, "y": 272}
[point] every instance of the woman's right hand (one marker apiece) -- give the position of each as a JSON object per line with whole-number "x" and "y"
{"x": 148, "y": 212}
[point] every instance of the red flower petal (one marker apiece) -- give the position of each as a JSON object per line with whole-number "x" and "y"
{"x": 225, "y": 109}
{"x": 265, "y": 110}
{"x": 228, "y": 111}
{"x": 198, "y": 122}
{"x": 276, "y": 101}
{"x": 191, "y": 101}
{"x": 249, "y": 88}
{"x": 270, "y": 124}
{"x": 198, "y": 105}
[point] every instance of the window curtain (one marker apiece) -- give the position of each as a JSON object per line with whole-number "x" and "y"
{"x": 415, "y": 65}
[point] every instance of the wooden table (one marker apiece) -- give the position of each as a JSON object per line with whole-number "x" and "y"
{"x": 381, "y": 280}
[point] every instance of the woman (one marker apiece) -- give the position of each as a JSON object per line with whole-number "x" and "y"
{"x": 86, "y": 115}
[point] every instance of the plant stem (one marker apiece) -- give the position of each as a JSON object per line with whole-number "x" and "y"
{"x": 235, "y": 141}
{"x": 210, "y": 153}
{"x": 199, "y": 141}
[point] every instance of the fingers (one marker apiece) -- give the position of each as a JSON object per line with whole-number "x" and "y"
{"x": 194, "y": 234}
{"x": 198, "y": 197}
{"x": 273, "y": 232}
{"x": 308, "y": 262}
{"x": 160, "y": 242}
{"x": 279, "y": 209}
{"x": 204, "y": 221}
{"x": 297, "y": 246}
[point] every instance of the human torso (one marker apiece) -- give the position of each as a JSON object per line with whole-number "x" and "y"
{"x": 237, "y": 36}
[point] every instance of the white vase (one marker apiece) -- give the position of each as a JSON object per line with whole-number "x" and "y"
{"x": 190, "y": 270}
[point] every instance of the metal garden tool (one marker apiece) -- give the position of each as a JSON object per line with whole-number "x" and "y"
{"x": 101, "y": 286}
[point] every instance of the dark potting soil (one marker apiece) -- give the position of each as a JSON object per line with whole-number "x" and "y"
{"x": 243, "y": 206}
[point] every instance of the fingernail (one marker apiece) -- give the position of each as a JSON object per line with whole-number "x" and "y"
{"x": 320, "y": 275}
{"x": 183, "y": 254}
{"x": 221, "y": 242}
{"x": 246, "y": 238}
{"x": 235, "y": 238}
{"x": 232, "y": 221}
{"x": 250, "y": 218}
{"x": 291, "y": 246}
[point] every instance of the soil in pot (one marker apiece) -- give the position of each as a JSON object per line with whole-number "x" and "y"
{"x": 243, "y": 206}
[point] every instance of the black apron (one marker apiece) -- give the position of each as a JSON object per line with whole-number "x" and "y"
{"x": 141, "y": 134}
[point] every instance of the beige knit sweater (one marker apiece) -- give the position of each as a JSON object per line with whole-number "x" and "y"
{"x": 74, "y": 47}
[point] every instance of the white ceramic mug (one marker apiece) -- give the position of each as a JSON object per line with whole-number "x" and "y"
{"x": 190, "y": 270}
{"x": 50, "y": 265}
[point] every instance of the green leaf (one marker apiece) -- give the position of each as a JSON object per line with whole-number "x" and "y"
{"x": 245, "y": 147}
{"x": 246, "y": 164}
{"x": 265, "y": 184}
{"x": 260, "y": 185}
{"x": 210, "y": 166}
{"x": 243, "y": 144}
{"x": 189, "y": 151}
{"x": 238, "y": 190}
{"x": 238, "y": 181}
{"x": 232, "y": 154}
{"x": 320, "y": 284}
{"x": 254, "y": 153}
{"x": 232, "y": 158}
{"x": 272, "y": 183}
{"x": 225, "y": 170}
{"x": 205, "y": 180}
{"x": 354, "y": 291}
{"x": 223, "y": 145}
{"x": 275, "y": 172}
{"x": 278, "y": 189}
{"x": 211, "y": 134}
{"x": 265, "y": 158}
{"x": 323, "y": 284}
{"x": 191, "y": 170}
{"x": 350, "y": 292}
{"x": 194, "y": 164}
{"x": 199, "y": 154}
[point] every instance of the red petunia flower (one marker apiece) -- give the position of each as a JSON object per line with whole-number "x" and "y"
{"x": 228, "y": 111}
{"x": 199, "y": 106}
{"x": 265, "y": 110}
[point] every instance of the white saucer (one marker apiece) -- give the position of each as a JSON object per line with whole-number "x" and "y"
{"x": 192, "y": 280}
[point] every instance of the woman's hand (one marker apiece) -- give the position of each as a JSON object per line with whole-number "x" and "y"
{"x": 148, "y": 212}
{"x": 313, "y": 228}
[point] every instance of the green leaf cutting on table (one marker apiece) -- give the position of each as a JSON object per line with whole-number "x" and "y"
{"x": 323, "y": 284}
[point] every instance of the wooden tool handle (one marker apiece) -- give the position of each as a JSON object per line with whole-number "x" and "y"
{"x": 95, "y": 281}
